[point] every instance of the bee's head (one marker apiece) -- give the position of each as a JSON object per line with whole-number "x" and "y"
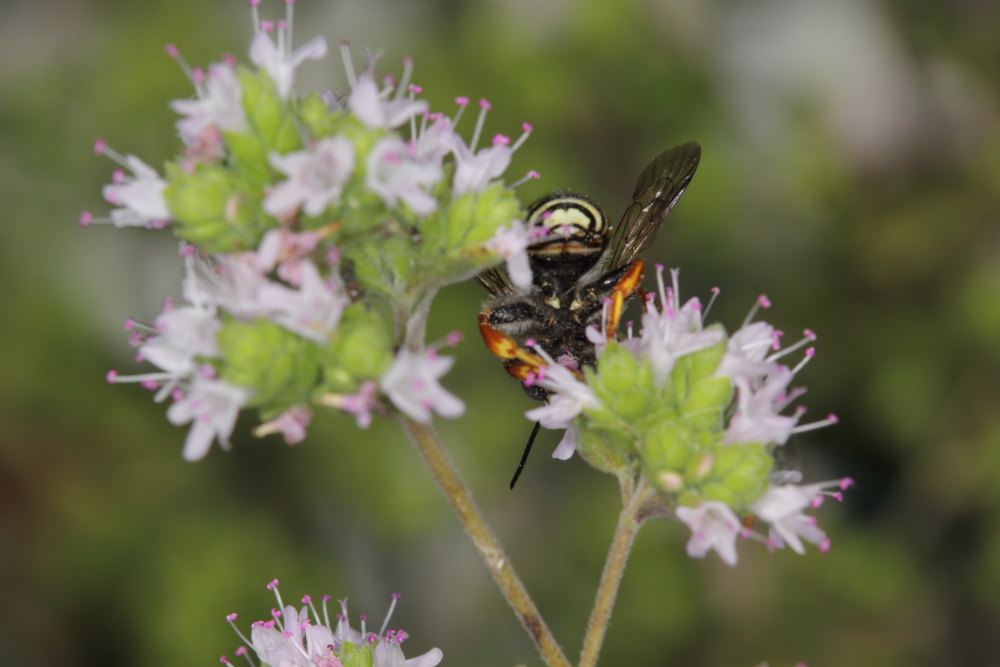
{"x": 565, "y": 224}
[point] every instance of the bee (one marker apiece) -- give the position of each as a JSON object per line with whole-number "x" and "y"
{"x": 583, "y": 271}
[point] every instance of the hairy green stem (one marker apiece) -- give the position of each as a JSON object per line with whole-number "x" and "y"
{"x": 614, "y": 568}
{"x": 486, "y": 543}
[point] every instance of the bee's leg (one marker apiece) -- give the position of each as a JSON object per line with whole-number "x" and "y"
{"x": 518, "y": 361}
{"x": 619, "y": 284}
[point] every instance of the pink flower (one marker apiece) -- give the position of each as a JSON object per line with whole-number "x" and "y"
{"x": 291, "y": 424}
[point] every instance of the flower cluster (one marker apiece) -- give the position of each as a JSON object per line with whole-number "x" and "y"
{"x": 699, "y": 413}
{"x": 306, "y": 637}
{"x": 315, "y": 232}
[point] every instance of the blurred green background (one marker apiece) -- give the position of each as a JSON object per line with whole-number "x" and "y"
{"x": 851, "y": 171}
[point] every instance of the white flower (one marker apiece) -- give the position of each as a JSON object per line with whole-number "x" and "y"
{"x": 287, "y": 250}
{"x": 219, "y": 105}
{"x": 781, "y": 507}
{"x": 182, "y": 335}
{"x": 395, "y": 173}
{"x": 746, "y": 352}
{"x": 568, "y": 399}
{"x": 139, "y": 196}
{"x": 756, "y": 417}
{"x": 511, "y": 243}
{"x": 313, "y": 310}
{"x": 380, "y": 109}
{"x": 714, "y": 526}
{"x": 212, "y": 406}
{"x": 475, "y": 170}
{"x": 279, "y": 62}
{"x": 302, "y": 638}
{"x": 672, "y": 333}
{"x": 316, "y": 177}
{"x": 411, "y": 383}
{"x": 234, "y": 282}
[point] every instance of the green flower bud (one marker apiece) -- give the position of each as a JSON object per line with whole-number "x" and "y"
{"x": 355, "y": 656}
{"x": 473, "y": 218}
{"x": 280, "y": 366}
{"x": 271, "y": 128}
{"x": 690, "y": 368}
{"x": 212, "y": 209}
{"x": 605, "y": 450}
{"x": 743, "y": 469}
{"x": 361, "y": 349}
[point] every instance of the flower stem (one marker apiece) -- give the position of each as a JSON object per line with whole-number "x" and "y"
{"x": 486, "y": 543}
{"x": 614, "y": 568}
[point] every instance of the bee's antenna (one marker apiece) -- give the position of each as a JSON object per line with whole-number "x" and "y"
{"x": 524, "y": 456}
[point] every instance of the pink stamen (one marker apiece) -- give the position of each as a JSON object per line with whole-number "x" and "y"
{"x": 415, "y": 89}
{"x": 531, "y": 342}
{"x": 150, "y": 385}
{"x": 111, "y": 376}
{"x": 197, "y": 75}
{"x": 231, "y": 617}
{"x": 811, "y": 352}
{"x": 272, "y": 584}
{"x": 454, "y": 338}
{"x": 834, "y": 419}
{"x": 485, "y": 104}
{"x": 462, "y": 100}
{"x": 229, "y": 59}
{"x": 172, "y": 50}
{"x": 763, "y": 301}
{"x": 85, "y": 219}
{"x": 824, "y": 546}
{"x": 534, "y": 174}
{"x": 810, "y": 334}
{"x": 501, "y": 139}
{"x": 99, "y": 146}
{"x": 846, "y": 483}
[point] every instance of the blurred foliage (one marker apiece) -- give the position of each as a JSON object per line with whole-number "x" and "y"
{"x": 851, "y": 170}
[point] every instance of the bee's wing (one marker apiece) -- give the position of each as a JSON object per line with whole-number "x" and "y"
{"x": 659, "y": 187}
{"x": 496, "y": 281}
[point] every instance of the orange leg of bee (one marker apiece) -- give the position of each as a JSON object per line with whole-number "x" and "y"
{"x": 506, "y": 347}
{"x": 625, "y": 288}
